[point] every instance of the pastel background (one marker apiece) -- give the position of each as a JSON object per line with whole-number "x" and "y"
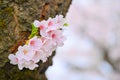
{"x": 92, "y": 48}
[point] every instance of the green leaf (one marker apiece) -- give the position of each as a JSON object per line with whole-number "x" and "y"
{"x": 34, "y": 31}
{"x": 65, "y": 25}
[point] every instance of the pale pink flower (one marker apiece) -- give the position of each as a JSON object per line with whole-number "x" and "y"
{"x": 41, "y": 55}
{"x": 25, "y": 52}
{"x": 32, "y": 65}
{"x": 41, "y": 25}
{"x": 57, "y": 37}
{"x": 59, "y": 20}
{"x": 13, "y": 59}
{"x": 48, "y": 47}
{"x": 51, "y": 25}
{"x": 40, "y": 48}
{"x": 37, "y": 56}
{"x": 55, "y": 23}
{"x": 35, "y": 43}
{"x": 50, "y": 22}
{"x": 27, "y": 64}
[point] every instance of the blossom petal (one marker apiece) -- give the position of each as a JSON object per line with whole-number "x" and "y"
{"x": 36, "y": 23}
{"x": 13, "y": 59}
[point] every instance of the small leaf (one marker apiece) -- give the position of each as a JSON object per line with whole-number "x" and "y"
{"x": 65, "y": 25}
{"x": 34, "y": 31}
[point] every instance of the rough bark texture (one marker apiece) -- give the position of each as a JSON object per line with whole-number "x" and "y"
{"x": 16, "y": 17}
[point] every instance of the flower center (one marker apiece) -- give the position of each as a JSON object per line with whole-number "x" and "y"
{"x": 25, "y": 51}
{"x": 41, "y": 27}
{"x": 50, "y": 23}
{"x": 53, "y": 35}
{"x": 32, "y": 42}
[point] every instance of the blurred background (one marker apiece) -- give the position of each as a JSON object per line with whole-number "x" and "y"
{"x": 92, "y": 48}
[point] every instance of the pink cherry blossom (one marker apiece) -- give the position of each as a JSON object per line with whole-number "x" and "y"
{"x": 51, "y": 25}
{"x": 60, "y": 21}
{"x": 57, "y": 37}
{"x": 25, "y": 52}
{"x": 41, "y": 46}
{"x": 41, "y": 25}
{"x": 41, "y": 55}
{"x": 48, "y": 47}
{"x": 55, "y": 23}
{"x": 27, "y": 64}
{"x": 35, "y": 43}
{"x": 37, "y": 56}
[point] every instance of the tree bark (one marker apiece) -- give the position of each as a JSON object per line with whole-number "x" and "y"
{"x": 16, "y": 17}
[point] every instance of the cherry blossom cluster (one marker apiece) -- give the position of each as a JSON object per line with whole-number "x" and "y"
{"x": 46, "y": 36}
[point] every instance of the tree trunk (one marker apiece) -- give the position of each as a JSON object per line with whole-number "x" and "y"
{"x": 16, "y": 17}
